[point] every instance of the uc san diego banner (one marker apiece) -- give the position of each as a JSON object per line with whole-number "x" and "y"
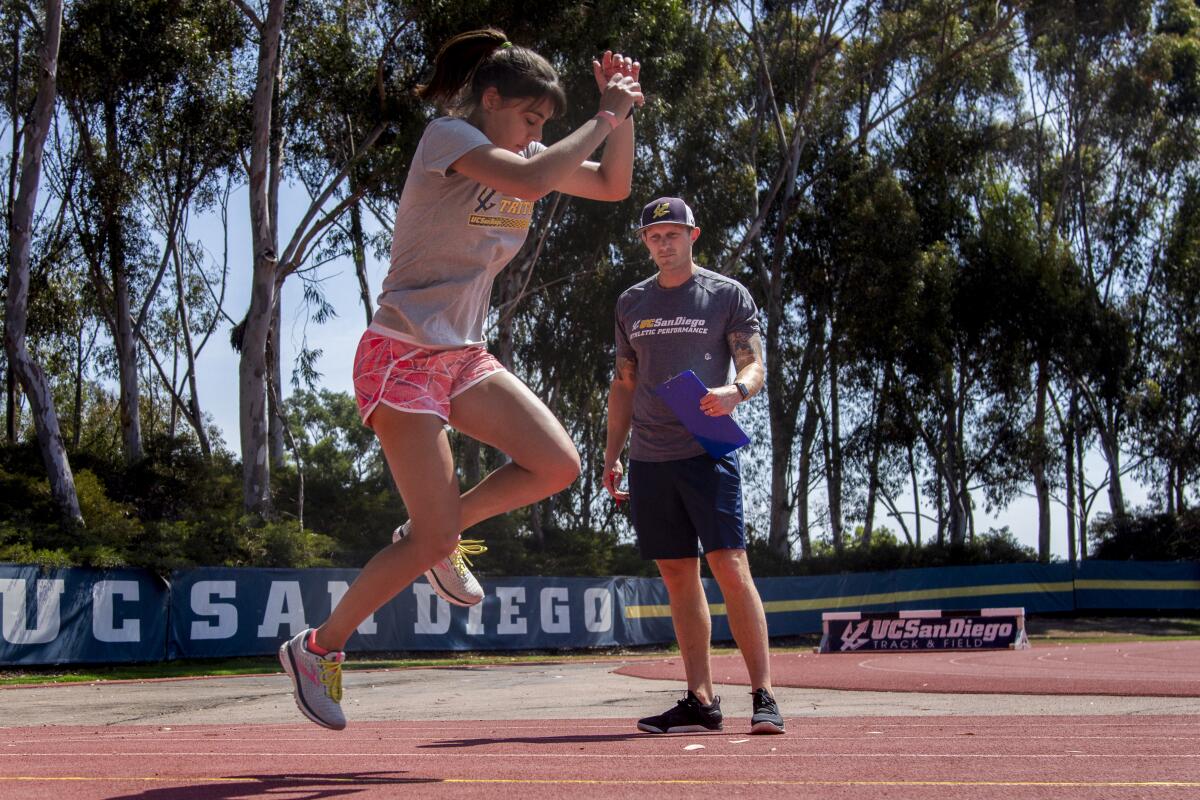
{"x": 222, "y": 612}
{"x": 81, "y": 615}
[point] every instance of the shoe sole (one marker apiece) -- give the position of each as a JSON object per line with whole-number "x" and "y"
{"x": 285, "y": 658}
{"x": 440, "y": 589}
{"x": 678, "y": 729}
{"x": 766, "y": 727}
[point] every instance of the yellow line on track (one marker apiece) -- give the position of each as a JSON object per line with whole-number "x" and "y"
{"x": 604, "y": 781}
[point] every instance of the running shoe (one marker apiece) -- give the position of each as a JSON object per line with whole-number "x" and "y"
{"x": 317, "y": 680}
{"x": 451, "y": 577}
{"x": 688, "y": 716}
{"x": 766, "y": 717}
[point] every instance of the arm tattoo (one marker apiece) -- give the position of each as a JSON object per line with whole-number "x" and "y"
{"x": 626, "y": 369}
{"x": 746, "y": 348}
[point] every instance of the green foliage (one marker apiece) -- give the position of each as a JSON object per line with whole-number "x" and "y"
{"x": 564, "y": 552}
{"x": 1147, "y": 537}
{"x": 997, "y": 546}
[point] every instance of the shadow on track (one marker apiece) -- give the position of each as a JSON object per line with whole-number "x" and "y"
{"x": 293, "y": 787}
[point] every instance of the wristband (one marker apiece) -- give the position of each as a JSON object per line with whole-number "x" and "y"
{"x": 609, "y": 117}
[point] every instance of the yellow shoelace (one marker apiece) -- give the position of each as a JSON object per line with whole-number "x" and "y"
{"x": 331, "y": 679}
{"x": 466, "y": 547}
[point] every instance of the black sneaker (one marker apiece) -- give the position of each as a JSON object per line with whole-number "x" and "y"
{"x": 766, "y": 717}
{"x": 688, "y": 716}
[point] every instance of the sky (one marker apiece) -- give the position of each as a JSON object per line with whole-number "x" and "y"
{"x": 218, "y": 364}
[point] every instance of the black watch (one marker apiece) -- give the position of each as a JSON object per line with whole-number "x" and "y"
{"x": 741, "y": 387}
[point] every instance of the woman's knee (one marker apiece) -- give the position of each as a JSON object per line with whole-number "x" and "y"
{"x": 434, "y": 539}
{"x": 562, "y": 469}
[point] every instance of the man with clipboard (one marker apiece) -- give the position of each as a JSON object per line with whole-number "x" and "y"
{"x": 688, "y": 351}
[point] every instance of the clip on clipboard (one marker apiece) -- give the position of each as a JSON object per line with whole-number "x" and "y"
{"x": 717, "y": 435}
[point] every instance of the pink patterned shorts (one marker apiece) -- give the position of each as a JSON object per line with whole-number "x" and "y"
{"x": 409, "y": 378}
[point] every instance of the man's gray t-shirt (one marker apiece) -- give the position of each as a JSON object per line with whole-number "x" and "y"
{"x": 669, "y": 331}
{"x": 453, "y": 235}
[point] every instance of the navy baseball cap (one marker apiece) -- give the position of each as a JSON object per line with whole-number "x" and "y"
{"x": 666, "y": 210}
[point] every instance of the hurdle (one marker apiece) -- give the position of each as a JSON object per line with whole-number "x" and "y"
{"x": 923, "y": 630}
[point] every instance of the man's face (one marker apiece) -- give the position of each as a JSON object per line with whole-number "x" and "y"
{"x": 670, "y": 245}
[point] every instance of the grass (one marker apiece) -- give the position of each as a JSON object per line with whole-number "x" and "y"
{"x": 1041, "y": 630}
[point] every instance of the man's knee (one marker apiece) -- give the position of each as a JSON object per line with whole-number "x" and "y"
{"x": 731, "y": 568}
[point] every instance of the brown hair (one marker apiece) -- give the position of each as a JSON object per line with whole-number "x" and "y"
{"x": 472, "y": 61}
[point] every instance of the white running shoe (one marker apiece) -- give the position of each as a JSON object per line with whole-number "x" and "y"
{"x": 451, "y": 577}
{"x": 317, "y": 680}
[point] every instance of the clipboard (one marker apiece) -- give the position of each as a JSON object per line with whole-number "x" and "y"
{"x": 717, "y": 435}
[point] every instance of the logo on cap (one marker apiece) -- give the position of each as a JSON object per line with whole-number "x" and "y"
{"x": 661, "y": 210}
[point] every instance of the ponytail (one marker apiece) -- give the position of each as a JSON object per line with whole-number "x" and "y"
{"x": 472, "y": 61}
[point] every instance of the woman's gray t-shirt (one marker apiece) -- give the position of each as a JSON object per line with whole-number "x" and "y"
{"x": 669, "y": 331}
{"x": 453, "y": 235}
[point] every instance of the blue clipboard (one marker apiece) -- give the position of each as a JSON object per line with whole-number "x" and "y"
{"x": 717, "y": 435}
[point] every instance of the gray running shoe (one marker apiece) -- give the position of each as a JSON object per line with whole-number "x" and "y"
{"x": 451, "y": 577}
{"x": 766, "y": 717}
{"x": 317, "y": 680}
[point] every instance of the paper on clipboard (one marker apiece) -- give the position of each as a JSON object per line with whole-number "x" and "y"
{"x": 717, "y": 435}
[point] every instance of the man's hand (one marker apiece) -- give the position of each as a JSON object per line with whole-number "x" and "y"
{"x": 720, "y": 401}
{"x": 613, "y": 475}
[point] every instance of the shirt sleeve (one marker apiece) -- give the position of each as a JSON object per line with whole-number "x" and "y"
{"x": 743, "y": 313}
{"x": 446, "y": 140}
{"x": 624, "y": 348}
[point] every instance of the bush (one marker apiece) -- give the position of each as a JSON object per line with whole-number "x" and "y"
{"x": 996, "y": 546}
{"x": 1147, "y": 537}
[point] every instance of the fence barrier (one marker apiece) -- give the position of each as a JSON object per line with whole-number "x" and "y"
{"x": 75, "y": 616}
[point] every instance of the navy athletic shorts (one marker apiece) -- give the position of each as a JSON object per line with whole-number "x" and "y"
{"x": 680, "y": 507}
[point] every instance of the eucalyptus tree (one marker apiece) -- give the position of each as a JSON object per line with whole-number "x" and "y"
{"x": 829, "y": 77}
{"x": 32, "y": 378}
{"x": 273, "y": 95}
{"x": 1111, "y": 140}
{"x": 1167, "y": 405}
{"x": 127, "y": 63}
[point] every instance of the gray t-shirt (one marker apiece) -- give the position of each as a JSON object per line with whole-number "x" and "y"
{"x": 668, "y": 331}
{"x": 453, "y": 236}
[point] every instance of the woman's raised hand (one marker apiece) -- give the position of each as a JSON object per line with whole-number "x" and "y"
{"x": 611, "y": 64}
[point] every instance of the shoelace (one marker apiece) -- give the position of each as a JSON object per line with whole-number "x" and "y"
{"x": 331, "y": 679}
{"x": 466, "y": 547}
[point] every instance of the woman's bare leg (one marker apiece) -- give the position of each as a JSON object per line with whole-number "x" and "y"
{"x": 418, "y": 454}
{"x": 502, "y": 412}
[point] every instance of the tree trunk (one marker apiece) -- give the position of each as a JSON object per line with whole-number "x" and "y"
{"x": 808, "y": 433}
{"x": 124, "y": 336}
{"x": 276, "y": 422}
{"x": 1082, "y": 487}
{"x": 951, "y": 465}
{"x": 1069, "y": 468}
{"x": 1110, "y": 444}
{"x": 10, "y": 379}
{"x": 33, "y": 380}
{"x": 252, "y": 371}
{"x": 194, "y": 414}
{"x": 358, "y": 244}
{"x": 912, "y": 470}
{"x": 873, "y": 468}
{"x": 782, "y": 423}
{"x": 1041, "y": 482}
{"x": 833, "y": 470}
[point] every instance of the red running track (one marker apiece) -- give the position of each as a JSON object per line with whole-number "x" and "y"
{"x": 1135, "y": 669}
{"x": 940, "y": 758}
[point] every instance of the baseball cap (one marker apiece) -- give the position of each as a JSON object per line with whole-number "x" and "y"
{"x": 666, "y": 210}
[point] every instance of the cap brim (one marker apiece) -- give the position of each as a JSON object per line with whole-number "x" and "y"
{"x": 664, "y": 222}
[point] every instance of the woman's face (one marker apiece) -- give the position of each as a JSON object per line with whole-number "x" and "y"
{"x": 512, "y": 123}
